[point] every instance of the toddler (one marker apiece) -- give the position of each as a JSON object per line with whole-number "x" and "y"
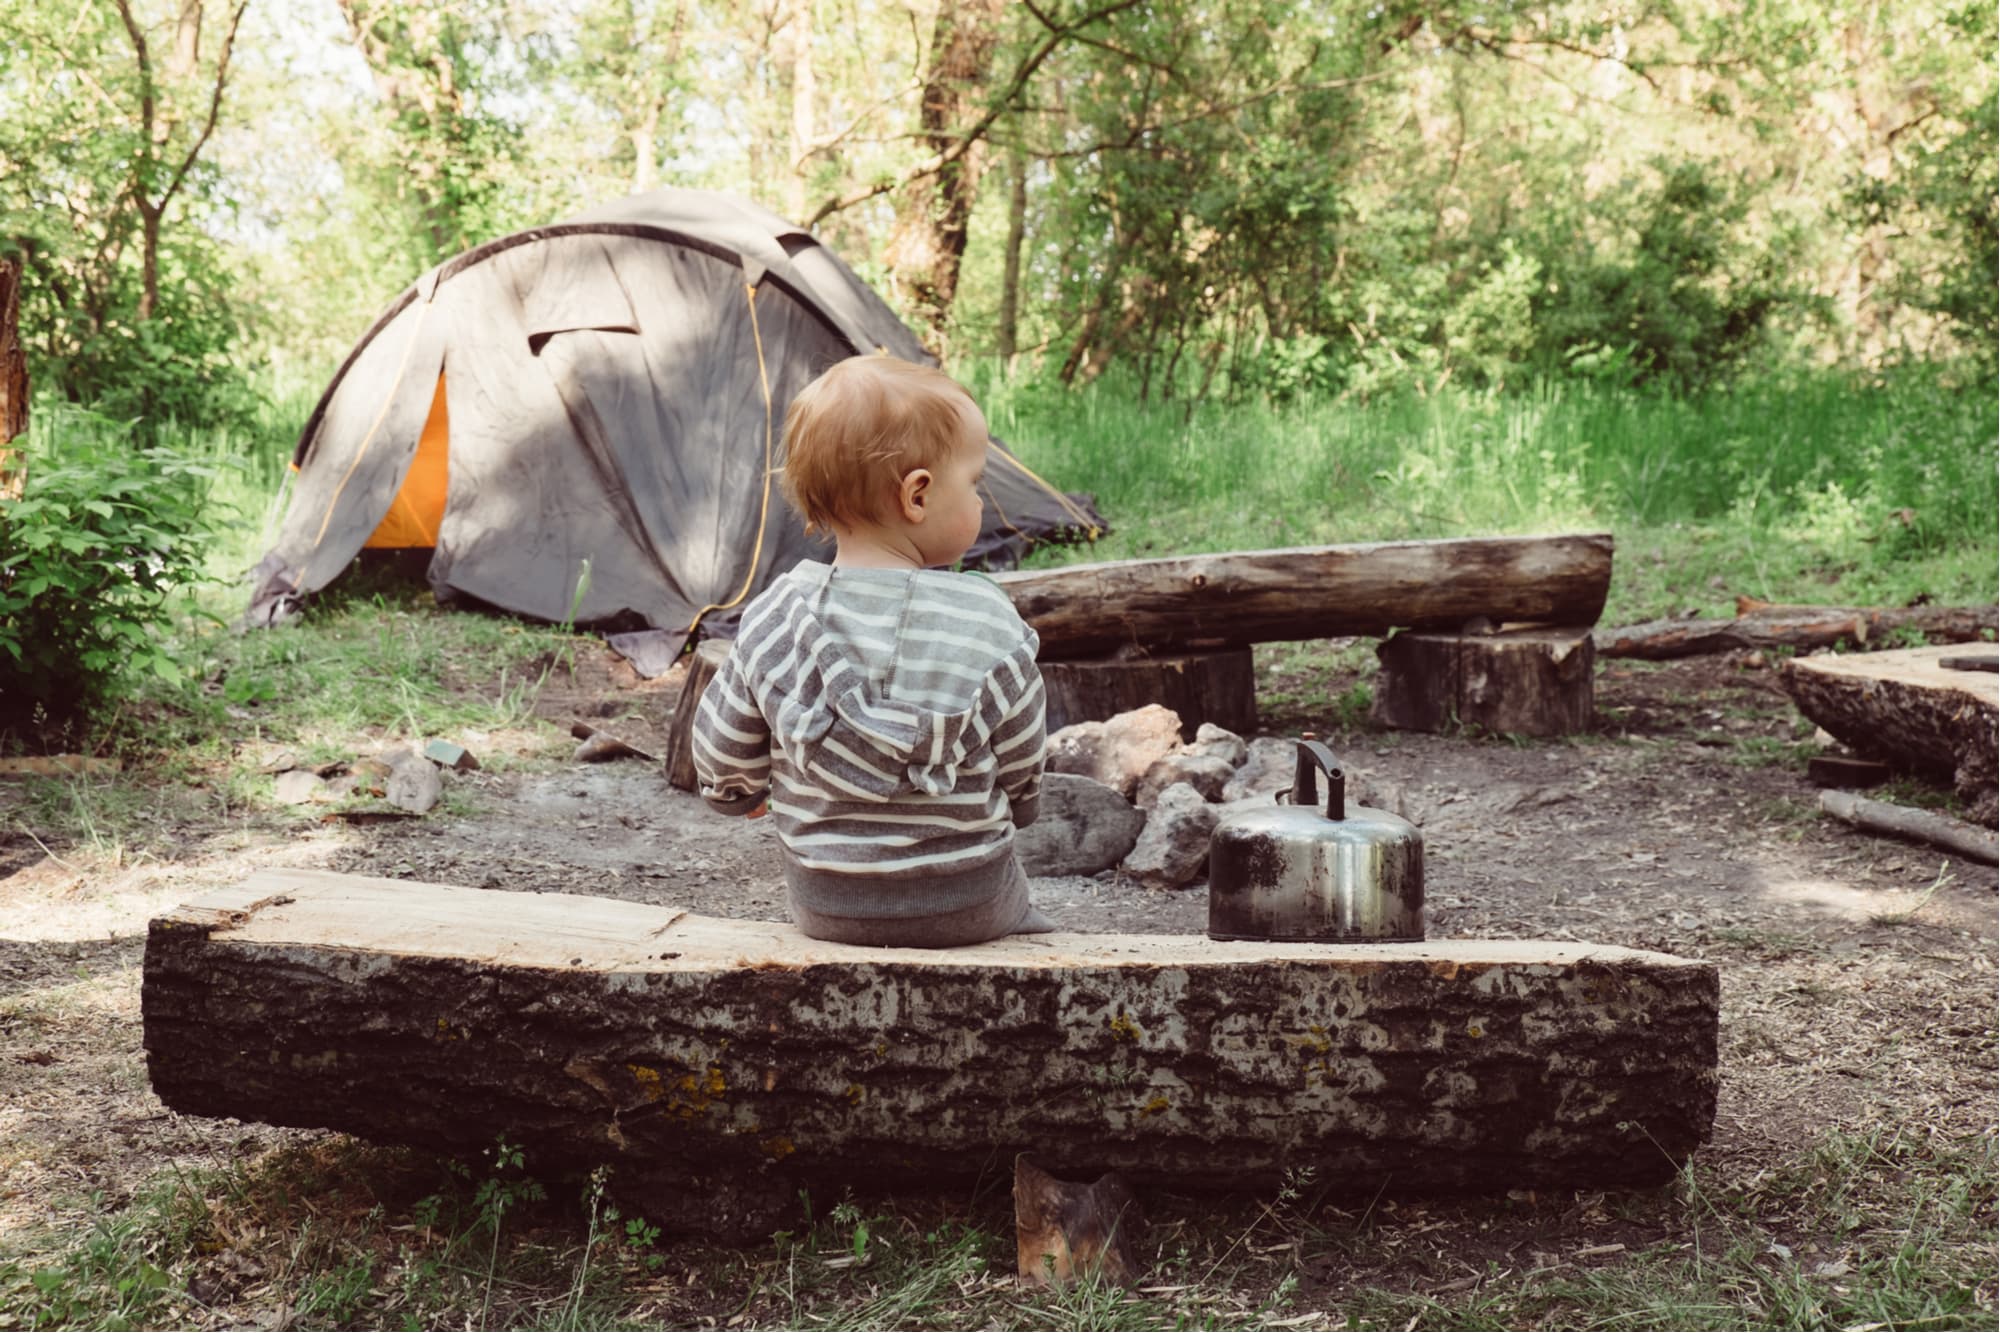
{"x": 890, "y": 711}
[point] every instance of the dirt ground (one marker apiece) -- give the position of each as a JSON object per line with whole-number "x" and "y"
{"x": 1857, "y": 973}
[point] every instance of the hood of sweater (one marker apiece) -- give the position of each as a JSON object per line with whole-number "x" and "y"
{"x": 829, "y": 713}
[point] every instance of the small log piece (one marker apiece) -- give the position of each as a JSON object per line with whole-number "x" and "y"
{"x": 719, "y": 1066}
{"x": 1232, "y": 599}
{"x": 706, "y": 660}
{"x": 1065, "y": 1230}
{"x": 1199, "y": 687}
{"x": 1926, "y": 826}
{"x": 1524, "y": 682}
{"x": 1905, "y": 708}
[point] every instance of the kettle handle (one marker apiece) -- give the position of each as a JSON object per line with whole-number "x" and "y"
{"x": 1305, "y": 791}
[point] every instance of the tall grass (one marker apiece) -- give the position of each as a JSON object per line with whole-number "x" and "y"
{"x": 1815, "y": 487}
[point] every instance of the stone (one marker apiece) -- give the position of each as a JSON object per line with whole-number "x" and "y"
{"x": 1206, "y": 773}
{"x": 1173, "y": 847}
{"x": 1270, "y": 765}
{"x": 1118, "y": 751}
{"x": 298, "y": 787}
{"x": 1221, "y": 742}
{"x": 414, "y": 784}
{"x": 1083, "y": 827}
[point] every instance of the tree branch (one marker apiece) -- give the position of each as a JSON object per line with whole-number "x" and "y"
{"x": 214, "y": 104}
{"x": 937, "y": 162}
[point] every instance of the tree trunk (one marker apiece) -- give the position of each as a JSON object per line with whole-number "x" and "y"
{"x": 1800, "y": 628}
{"x": 13, "y": 379}
{"x": 932, "y": 216}
{"x": 720, "y": 1066}
{"x": 1232, "y": 599}
{"x": 1010, "y": 274}
{"x": 1905, "y": 707}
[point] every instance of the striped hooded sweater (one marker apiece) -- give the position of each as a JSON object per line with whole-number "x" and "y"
{"x": 896, "y": 720}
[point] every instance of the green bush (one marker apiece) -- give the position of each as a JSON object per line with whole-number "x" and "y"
{"x": 93, "y": 554}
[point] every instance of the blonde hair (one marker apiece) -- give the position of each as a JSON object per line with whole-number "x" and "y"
{"x": 853, "y": 433}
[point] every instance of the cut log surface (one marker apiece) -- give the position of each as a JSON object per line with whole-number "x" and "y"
{"x": 1803, "y": 628}
{"x": 1529, "y": 682}
{"x": 1199, "y": 687}
{"x": 1905, "y": 707}
{"x": 1234, "y": 599}
{"x": 703, "y": 663}
{"x": 718, "y": 1066}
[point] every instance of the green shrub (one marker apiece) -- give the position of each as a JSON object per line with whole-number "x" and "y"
{"x": 92, "y": 557}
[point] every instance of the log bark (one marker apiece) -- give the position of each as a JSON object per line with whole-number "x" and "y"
{"x": 1801, "y": 628}
{"x": 1925, "y": 826}
{"x": 1532, "y": 682}
{"x": 1905, "y": 708}
{"x": 1234, "y": 599}
{"x": 720, "y": 1066}
{"x": 703, "y": 663}
{"x": 1200, "y": 687}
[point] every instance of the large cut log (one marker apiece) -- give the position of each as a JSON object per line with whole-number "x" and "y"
{"x": 1198, "y": 687}
{"x": 1801, "y": 628}
{"x": 1907, "y": 707}
{"x": 1237, "y": 598}
{"x": 720, "y": 1066}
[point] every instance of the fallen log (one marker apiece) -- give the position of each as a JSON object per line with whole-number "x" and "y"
{"x": 1237, "y": 598}
{"x": 1924, "y": 826}
{"x": 1905, "y": 707}
{"x": 1759, "y": 626}
{"x": 719, "y": 1066}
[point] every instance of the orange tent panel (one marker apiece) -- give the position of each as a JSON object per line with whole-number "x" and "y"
{"x": 418, "y": 509}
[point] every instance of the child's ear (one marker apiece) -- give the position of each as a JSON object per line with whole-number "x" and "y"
{"x": 912, "y": 495}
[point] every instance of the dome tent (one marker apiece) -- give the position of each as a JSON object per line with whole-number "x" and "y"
{"x": 612, "y": 390}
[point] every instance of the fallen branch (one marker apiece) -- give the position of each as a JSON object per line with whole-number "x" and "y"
{"x": 1925, "y": 826}
{"x": 1761, "y": 626}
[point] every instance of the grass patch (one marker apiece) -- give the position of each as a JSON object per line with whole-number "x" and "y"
{"x": 1816, "y": 488}
{"x": 1891, "y": 1229}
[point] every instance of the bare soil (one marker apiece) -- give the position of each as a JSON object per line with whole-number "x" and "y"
{"x": 1857, "y": 973}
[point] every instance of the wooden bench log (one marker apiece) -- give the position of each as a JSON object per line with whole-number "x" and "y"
{"x": 1517, "y": 682}
{"x": 718, "y": 1066}
{"x": 1237, "y": 598}
{"x": 1199, "y": 687}
{"x": 1761, "y": 627}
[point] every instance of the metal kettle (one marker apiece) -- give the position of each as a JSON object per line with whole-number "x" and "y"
{"x": 1298, "y": 873}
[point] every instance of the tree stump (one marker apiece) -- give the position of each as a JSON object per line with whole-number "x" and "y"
{"x": 1905, "y": 707}
{"x": 703, "y": 663}
{"x": 1527, "y": 682}
{"x": 1218, "y": 687}
{"x": 719, "y": 1066}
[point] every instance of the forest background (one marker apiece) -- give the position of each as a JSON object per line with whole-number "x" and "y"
{"x": 1253, "y": 272}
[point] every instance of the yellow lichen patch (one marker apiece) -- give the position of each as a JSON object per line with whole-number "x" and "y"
{"x": 1124, "y": 1029}
{"x": 694, "y": 1092}
{"x": 444, "y": 1032}
{"x": 649, "y": 1081}
{"x": 855, "y": 1092}
{"x": 1475, "y": 1029}
{"x": 777, "y": 1147}
{"x": 1158, "y": 1104}
{"x": 1314, "y": 1040}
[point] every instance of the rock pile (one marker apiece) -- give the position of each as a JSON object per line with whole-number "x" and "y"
{"x": 1129, "y": 793}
